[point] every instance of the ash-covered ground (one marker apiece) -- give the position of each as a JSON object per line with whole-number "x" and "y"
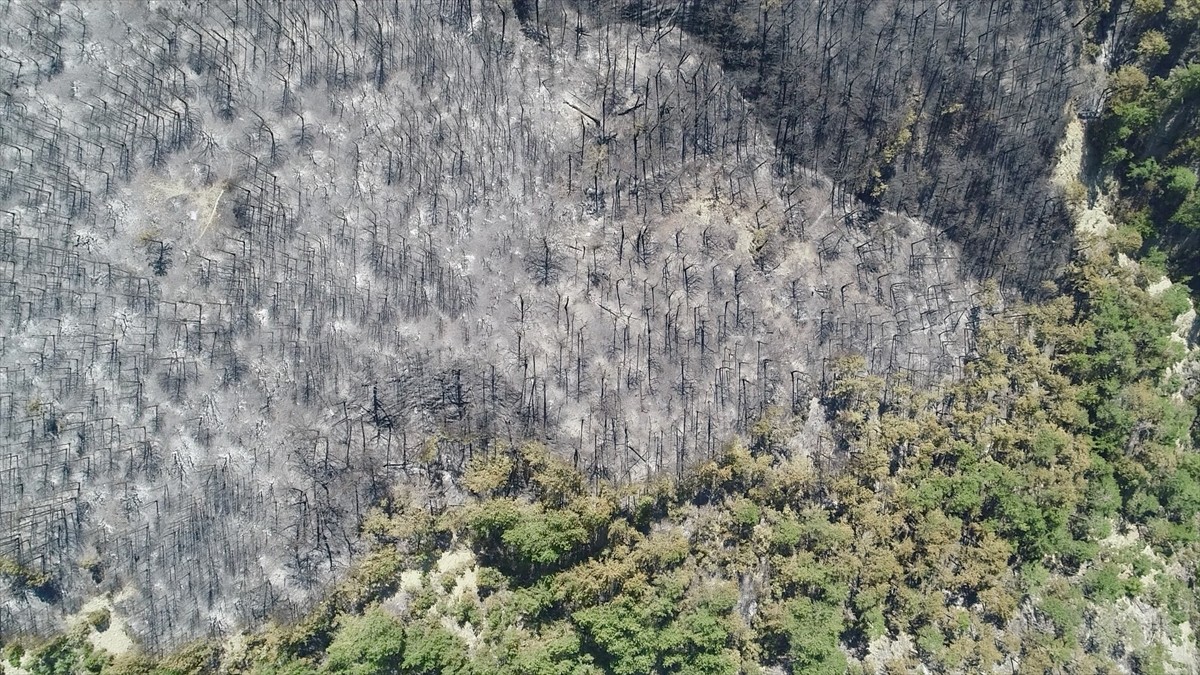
{"x": 260, "y": 262}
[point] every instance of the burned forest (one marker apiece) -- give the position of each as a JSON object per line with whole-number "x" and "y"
{"x": 261, "y": 262}
{"x": 948, "y": 112}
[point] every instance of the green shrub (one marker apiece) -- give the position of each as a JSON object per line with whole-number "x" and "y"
{"x": 1104, "y": 584}
{"x": 432, "y": 650}
{"x": 1153, "y": 45}
{"x": 371, "y": 643}
{"x": 746, "y": 514}
{"x": 1180, "y": 180}
{"x": 13, "y": 654}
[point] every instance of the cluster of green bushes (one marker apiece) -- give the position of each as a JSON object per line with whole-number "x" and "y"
{"x": 1149, "y": 134}
{"x": 24, "y": 577}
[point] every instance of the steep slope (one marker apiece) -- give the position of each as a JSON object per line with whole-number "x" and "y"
{"x": 1145, "y": 133}
{"x": 947, "y": 111}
